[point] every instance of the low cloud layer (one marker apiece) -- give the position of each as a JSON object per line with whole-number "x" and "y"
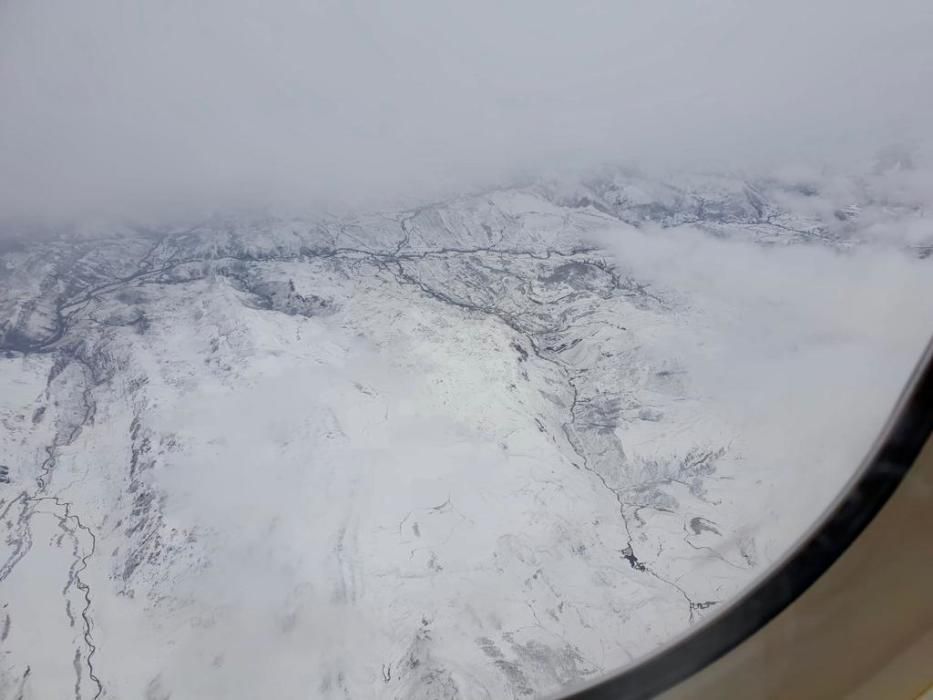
{"x": 801, "y": 350}
{"x": 109, "y": 106}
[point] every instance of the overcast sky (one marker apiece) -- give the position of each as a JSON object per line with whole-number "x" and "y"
{"x": 107, "y": 104}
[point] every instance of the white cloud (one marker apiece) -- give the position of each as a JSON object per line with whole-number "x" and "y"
{"x": 802, "y": 350}
{"x": 111, "y": 105}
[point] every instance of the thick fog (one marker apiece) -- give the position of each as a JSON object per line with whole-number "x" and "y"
{"x": 113, "y": 106}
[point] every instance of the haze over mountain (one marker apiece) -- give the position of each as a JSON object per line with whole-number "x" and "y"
{"x": 113, "y": 107}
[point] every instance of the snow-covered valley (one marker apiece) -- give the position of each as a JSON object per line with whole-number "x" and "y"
{"x": 480, "y": 449}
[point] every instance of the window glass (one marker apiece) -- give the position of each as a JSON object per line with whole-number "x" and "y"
{"x": 476, "y": 352}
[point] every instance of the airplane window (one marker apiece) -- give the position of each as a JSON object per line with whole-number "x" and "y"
{"x": 420, "y": 351}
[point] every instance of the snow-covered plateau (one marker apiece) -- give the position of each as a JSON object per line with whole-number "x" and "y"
{"x": 485, "y": 448}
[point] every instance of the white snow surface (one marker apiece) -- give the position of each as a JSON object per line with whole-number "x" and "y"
{"x": 482, "y": 449}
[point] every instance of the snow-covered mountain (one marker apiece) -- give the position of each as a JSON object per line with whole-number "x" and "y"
{"x": 479, "y": 449}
